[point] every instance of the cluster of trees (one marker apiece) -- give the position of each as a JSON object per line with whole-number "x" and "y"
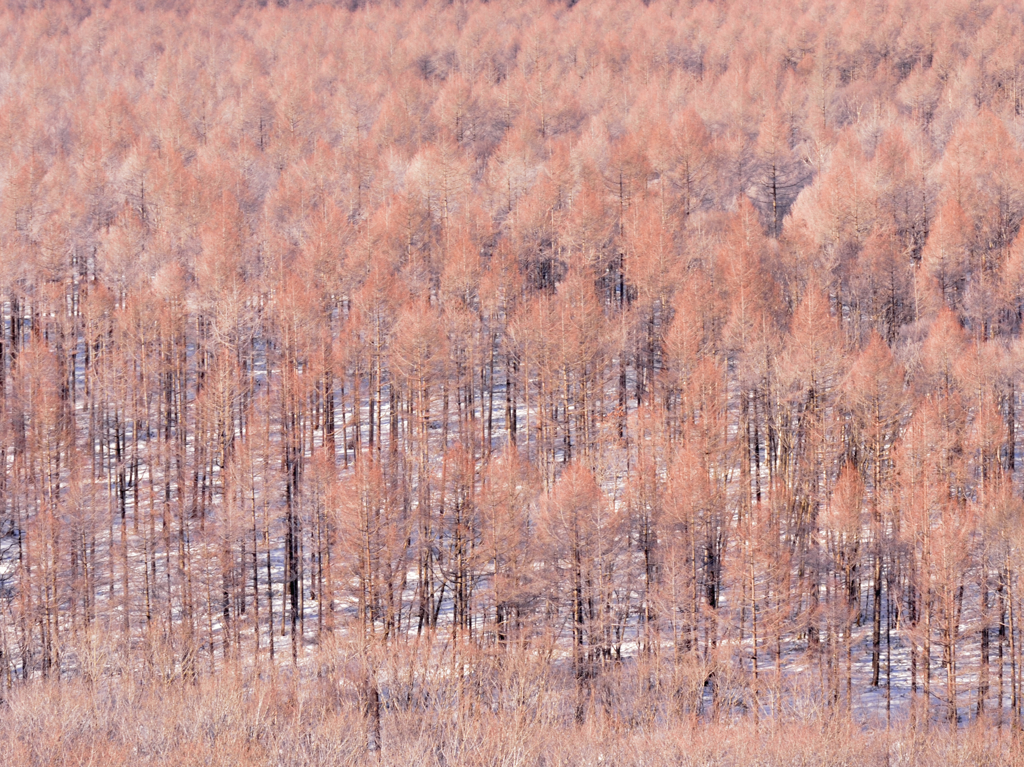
{"x": 668, "y": 336}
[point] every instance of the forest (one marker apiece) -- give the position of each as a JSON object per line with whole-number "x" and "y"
{"x": 512, "y": 383}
